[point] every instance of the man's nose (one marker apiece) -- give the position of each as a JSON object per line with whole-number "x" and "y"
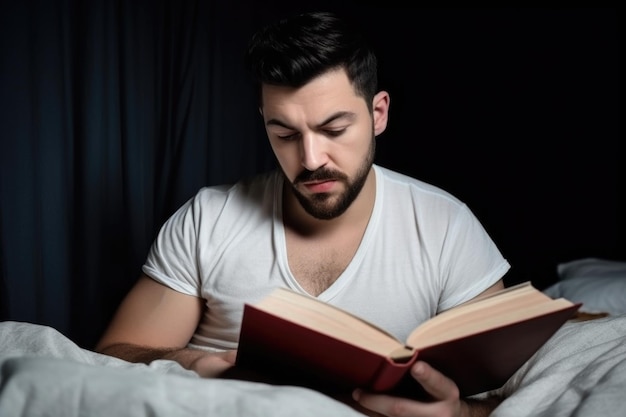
{"x": 313, "y": 152}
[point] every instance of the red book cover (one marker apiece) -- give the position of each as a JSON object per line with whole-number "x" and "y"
{"x": 292, "y": 353}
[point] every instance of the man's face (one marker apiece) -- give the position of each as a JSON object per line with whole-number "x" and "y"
{"x": 323, "y": 136}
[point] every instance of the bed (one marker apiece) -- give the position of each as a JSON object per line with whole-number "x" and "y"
{"x": 580, "y": 371}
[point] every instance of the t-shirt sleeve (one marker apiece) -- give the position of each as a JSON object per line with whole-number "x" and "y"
{"x": 172, "y": 257}
{"x": 472, "y": 261}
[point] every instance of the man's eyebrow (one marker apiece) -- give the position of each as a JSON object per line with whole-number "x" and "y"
{"x": 276, "y": 122}
{"x": 339, "y": 115}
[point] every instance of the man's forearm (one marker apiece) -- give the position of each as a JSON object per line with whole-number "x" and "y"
{"x": 205, "y": 364}
{"x": 143, "y": 354}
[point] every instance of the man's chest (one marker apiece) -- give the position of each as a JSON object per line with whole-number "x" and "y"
{"x": 316, "y": 264}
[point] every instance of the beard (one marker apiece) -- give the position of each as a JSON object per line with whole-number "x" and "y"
{"x": 324, "y": 206}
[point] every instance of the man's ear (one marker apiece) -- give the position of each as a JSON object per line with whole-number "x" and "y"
{"x": 380, "y": 109}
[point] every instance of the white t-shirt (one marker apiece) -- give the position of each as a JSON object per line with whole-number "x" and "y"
{"x": 423, "y": 252}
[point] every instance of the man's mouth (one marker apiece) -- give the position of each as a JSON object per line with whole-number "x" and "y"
{"x": 319, "y": 186}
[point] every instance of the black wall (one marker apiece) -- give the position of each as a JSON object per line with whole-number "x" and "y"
{"x": 516, "y": 112}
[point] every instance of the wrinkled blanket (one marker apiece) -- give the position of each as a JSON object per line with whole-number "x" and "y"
{"x": 580, "y": 372}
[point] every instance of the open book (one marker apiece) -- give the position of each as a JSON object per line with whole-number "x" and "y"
{"x": 479, "y": 344}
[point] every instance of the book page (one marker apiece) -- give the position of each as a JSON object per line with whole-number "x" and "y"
{"x": 508, "y": 306}
{"x": 330, "y": 320}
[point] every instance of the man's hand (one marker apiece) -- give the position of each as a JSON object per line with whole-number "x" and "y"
{"x": 212, "y": 365}
{"x": 446, "y": 403}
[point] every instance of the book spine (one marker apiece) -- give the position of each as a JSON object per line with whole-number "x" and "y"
{"x": 391, "y": 373}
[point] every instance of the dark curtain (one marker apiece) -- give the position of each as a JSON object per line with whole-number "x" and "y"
{"x": 113, "y": 113}
{"x": 107, "y": 111}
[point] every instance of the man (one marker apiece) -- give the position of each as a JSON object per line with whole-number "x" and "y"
{"x": 329, "y": 223}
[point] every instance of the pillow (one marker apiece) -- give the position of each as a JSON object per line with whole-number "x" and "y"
{"x": 598, "y": 283}
{"x": 590, "y": 268}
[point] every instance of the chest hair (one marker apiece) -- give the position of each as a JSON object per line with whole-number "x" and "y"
{"x": 317, "y": 265}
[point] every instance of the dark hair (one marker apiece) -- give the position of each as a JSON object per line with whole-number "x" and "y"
{"x": 297, "y": 49}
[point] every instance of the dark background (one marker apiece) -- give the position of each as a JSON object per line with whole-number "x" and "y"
{"x": 113, "y": 113}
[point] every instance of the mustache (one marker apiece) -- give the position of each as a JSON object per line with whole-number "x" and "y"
{"x": 321, "y": 174}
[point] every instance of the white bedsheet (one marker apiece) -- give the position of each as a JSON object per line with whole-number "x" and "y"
{"x": 580, "y": 372}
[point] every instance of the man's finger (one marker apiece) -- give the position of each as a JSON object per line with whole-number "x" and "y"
{"x": 434, "y": 382}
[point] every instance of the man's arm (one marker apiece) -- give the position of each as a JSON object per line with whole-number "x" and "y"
{"x": 494, "y": 288}
{"x": 156, "y": 322}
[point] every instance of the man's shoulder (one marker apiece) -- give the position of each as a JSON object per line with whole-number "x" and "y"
{"x": 258, "y": 183}
{"x": 252, "y": 189}
{"x": 409, "y": 185}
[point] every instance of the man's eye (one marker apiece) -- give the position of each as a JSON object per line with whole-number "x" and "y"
{"x": 289, "y": 137}
{"x": 335, "y": 133}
